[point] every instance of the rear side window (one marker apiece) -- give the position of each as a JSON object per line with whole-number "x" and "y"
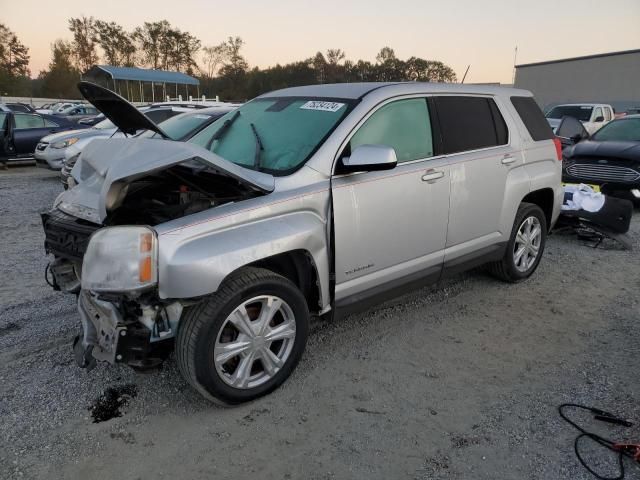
{"x": 532, "y": 117}
{"x": 470, "y": 123}
{"x": 403, "y": 125}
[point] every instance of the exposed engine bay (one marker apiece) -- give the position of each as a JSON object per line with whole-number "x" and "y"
{"x": 150, "y": 200}
{"x": 173, "y": 193}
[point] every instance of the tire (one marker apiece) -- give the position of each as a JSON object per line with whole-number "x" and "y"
{"x": 208, "y": 333}
{"x": 512, "y": 268}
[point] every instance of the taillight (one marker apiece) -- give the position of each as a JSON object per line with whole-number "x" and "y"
{"x": 558, "y": 144}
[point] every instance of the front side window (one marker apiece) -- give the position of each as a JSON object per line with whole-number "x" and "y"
{"x": 49, "y": 123}
{"x": 470, "y": 123}
{"x": 275, "y": 135}
{"x": 607, "y": 114}
{"x": 403, "y": 125}
{"x": 24, "y": 121}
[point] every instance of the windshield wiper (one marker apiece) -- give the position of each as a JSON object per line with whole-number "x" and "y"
{"x": 259, "y": 147}
{"x": 223, "y": 129}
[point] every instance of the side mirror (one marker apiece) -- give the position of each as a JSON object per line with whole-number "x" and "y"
{"x": 599, "y": 119}
{"x": 369, "y": 158}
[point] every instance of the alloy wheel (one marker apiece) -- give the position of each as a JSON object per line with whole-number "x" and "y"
{"x": 254, "y": 342}
{"x": 526, "y": 248}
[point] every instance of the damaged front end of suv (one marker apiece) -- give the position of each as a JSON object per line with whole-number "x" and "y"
{"x": 105, "y": 247}
{"x": 211, "y": 247}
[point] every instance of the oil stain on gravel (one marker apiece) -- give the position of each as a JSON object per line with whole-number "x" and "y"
{"x": 107, "y": 405}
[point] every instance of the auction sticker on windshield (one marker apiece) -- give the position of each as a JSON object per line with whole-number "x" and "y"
{"x": 322, "y": 106}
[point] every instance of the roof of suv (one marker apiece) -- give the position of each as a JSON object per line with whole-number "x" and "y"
{"x": 359, "y": 90}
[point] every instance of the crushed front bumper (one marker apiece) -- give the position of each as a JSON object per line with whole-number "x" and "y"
{"x": 124, "y": 331}
{"x": 102, "y": 327}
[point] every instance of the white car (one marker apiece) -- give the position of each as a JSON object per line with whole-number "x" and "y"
{"x": 57, "y": 108}
{"x": 592, "y": 115}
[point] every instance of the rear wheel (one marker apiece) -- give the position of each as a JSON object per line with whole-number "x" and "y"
{"x": 525, "y": 247}
{"x": 246, "y": 339}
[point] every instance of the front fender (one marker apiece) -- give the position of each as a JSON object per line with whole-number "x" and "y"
{"x": 192, "y": 266}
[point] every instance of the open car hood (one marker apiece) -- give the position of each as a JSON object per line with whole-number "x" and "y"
{"x": 123, "y": 115}
{"x": 117, "y": 161}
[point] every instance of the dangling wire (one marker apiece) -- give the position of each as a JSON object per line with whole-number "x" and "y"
{"x": 631, "y": 451}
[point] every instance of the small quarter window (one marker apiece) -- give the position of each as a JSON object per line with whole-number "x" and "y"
{"x": 403, "y": 125}
{"x": 532, "y": 117}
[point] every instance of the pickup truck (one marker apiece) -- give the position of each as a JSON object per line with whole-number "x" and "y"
{"x": 592, "y": 115}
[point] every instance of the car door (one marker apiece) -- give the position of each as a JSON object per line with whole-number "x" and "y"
{"x": 480, "y": 157}
{"x": 596, "y": 120}
{"x": 390, "y": 226}
{"x": 28, "y": 129}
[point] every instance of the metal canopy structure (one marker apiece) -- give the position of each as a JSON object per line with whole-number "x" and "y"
{"x": 120, "y": 78}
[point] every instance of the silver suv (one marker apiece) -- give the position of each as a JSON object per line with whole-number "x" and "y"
{"x": 308, "y": 201}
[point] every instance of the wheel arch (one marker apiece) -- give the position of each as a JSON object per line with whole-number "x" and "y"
{"x": 543, "y": 198}
{"x": 297, "y": 266}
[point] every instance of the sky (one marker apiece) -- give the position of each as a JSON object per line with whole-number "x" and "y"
{"x": 480, "y": 33}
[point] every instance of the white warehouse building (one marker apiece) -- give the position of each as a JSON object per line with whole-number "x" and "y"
{"x": 612, "y": 78}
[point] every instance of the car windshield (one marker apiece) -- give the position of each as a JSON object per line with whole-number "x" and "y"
{"x": 582, "y": 113}
{"x": 623, "y": 130}
{"x": 181, "y": 126}
{"x": 275, "y": 135}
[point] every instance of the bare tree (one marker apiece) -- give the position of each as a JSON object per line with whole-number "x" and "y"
{"x": 84, "y": 44}
{"x": 213, "y": 57}
{"x": 335, "y": 56}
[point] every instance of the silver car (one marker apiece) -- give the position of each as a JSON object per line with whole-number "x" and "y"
{"x": 308, "y": 201}
{"x": 52, "y": 149}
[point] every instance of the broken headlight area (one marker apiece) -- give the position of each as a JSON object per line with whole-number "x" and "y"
{"x": 117, "y": 329}
{"x": 121, "y": 259}
{"x": 152, "y": 199}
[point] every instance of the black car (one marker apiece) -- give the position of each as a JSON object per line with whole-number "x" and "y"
{"x": 610, "y": 158}
{"x": 20, "y": 132}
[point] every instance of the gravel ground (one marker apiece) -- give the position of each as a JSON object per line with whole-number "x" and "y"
{"x": 459, "y": 381}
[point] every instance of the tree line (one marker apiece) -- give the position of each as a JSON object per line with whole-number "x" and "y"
{"x": 222, "y": 69}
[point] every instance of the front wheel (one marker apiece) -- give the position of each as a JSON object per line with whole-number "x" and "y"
{"x": 246, "y": 339}
{"x": 525, "y": 247}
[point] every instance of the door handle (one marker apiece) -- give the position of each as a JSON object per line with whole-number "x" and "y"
{"x": 432, "y": 175}
{"x": 507, "y": 159}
